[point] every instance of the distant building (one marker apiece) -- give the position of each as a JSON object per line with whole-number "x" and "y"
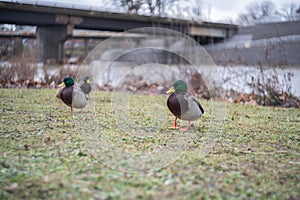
{"x": 266, "y": 43}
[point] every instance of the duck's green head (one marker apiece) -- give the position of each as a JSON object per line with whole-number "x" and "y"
{"x": 68, "y": 81}
{"x": 86, "y": 79}
{"x": 178, "y": 86}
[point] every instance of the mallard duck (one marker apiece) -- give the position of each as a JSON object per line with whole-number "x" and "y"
{"x": 183, "y": 105}
{"x": 85, "y": 85}
{"x": 71, "y": 95}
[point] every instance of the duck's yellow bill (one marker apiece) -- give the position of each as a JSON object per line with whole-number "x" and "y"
{"x": 62, "y": 85}
{"x": 171, "y": 90}
{"x": 88, "y": 81}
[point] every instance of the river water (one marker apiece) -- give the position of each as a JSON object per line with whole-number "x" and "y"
{"x": 238, "y": 78}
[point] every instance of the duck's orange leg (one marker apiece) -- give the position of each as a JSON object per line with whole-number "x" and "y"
{"x": 174, "y": 126}
{"x": 187, "y": 126}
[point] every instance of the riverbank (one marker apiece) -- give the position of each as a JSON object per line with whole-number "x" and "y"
{"x": 255, "y": 85}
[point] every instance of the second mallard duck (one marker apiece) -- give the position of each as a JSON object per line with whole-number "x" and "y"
{"x": 183, "y": 105}
{"x": 71, "y": 95}
{"x": 85, "y": 85}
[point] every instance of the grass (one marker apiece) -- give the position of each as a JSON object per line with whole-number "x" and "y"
{"x": 46, "y": 153}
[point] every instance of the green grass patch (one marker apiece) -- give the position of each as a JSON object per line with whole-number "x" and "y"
{"x": 43, "y": 154}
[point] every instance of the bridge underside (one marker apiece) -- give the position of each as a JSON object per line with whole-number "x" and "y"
{"x": 55, "y": 25}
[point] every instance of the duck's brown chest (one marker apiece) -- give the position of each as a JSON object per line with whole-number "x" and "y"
{"x": 66, "y": 95}
{"x": 177, "y": 104}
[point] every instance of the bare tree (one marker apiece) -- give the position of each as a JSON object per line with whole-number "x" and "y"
{"x": 133, "y": 6}
{"x": 256, "y": 12}
{"x": 154, "y": 6}
{"x": 288, "y": 12}
{"x": 197, "y": 12}
{"x": 149, "y": 7}
{"x": 158, "y": 7}
{"x": 190, "y": 9}
{"x": 113, "y": 5}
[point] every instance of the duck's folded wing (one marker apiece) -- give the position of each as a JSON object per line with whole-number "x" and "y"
{"x": 80, "y": 83}
{"x": 197, "y": 102}
{"x": 79, "y": 98}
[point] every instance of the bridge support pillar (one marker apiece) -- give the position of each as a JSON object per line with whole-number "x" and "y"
{"x": 51, "y": 40}
{"x": 18, "y": 46}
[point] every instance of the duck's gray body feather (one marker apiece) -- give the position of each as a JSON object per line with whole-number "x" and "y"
{"x": 194, "y": 110}
{"x": 79, "y": 98}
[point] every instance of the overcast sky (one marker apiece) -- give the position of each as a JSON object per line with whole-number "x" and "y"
{"x": 226, "y": 9}
{"x": 215, "y": 10}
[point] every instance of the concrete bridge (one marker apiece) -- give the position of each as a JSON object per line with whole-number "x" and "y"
{"x": 55, "y": 25}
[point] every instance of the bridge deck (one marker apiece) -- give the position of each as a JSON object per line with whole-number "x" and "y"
{"x": 41, "y": 15}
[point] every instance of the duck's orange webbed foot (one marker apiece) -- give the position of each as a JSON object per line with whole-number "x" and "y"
{"x": 187, "y": 127}
{"x": 174, "y": 126}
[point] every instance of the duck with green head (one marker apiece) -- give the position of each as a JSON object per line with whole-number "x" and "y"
{"x": 85, "y": 85}
{"x": 71, "y": 95}
{"x": 183, "y": 105}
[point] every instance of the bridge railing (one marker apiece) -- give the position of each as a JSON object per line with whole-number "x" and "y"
{"x": 60, "y": 4}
